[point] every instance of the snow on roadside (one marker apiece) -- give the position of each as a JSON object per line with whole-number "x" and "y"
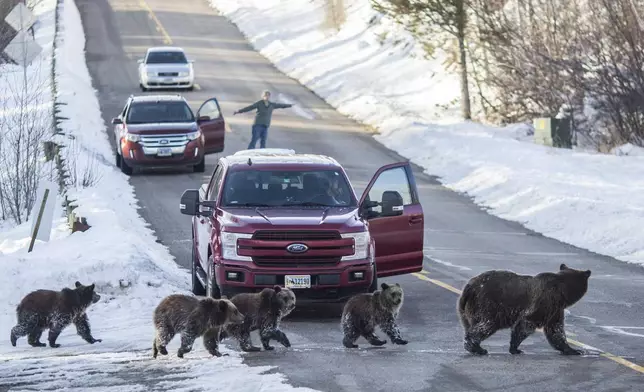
{"x": 589, "y": 200}
{"x": 120, "y": 254}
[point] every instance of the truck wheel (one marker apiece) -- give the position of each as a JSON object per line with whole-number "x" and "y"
{"x": 374, "y": 283}
{"x": 125, "y": 168}
{"x": 118, "y": 160}
{"x": 212, "y": 290}
{"x": 197, "y": 287}
{"x": 201, "y": 166}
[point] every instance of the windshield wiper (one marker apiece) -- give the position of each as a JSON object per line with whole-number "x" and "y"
{"x": 307, "y": 204}
{"x": 249, "y": 205}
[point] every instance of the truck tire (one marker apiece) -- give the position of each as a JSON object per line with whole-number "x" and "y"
{"x": 125, "y": 168}
{"x": 201, "y": 166}
{"x": 197, "y": 287}
{"x": 374, "y": 283}
{"x": 118, "y": 160}
{"x": 212, "y": 290}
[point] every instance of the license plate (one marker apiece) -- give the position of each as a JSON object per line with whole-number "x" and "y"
{"x": 297, "y": 281}
{"x": 168, "y": 80}
{"x": 164, "y": 152}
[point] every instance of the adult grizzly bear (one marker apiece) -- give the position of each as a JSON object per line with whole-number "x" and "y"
{"x": 54, "y": 310}
{"x": 263, "y": 311}
{"x": 363, "y": 312}
{"x": 497, "y": 300}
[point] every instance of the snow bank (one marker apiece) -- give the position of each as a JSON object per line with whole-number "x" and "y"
{"x": 588, "y": 200}
{"x": 120, "y": 254}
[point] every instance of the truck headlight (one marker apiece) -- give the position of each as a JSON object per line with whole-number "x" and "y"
{"x": 194, "y": 135}
{"x": 229, "y": 246}
{"x": 132, "y": 137}
{"x": 360, "y": 245}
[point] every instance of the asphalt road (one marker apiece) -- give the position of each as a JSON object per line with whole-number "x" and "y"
{"x": 461, "y": 240}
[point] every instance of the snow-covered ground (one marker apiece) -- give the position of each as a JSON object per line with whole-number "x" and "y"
{"x": 372, "y": 71}
{"x": 120, "y": 254}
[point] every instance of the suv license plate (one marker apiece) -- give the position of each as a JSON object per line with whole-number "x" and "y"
{"x": 297, "y": 281}
{"x": 164, "y": 152}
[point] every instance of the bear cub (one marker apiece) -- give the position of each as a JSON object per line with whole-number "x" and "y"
{"x": 264, "y": 312}
{"x": 191, "y": 317}
{"x": 497, "y": 300}
{"x": 363, "y": 312}
{"x": 54, "y": 310}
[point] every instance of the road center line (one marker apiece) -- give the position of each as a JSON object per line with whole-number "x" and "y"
{"x": 612, "y": 357}
{"x": 166, "y": 37}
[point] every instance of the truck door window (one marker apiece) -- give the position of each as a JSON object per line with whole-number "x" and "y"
{"x": 213, "y": 186}
{"x": 390, "y": 180}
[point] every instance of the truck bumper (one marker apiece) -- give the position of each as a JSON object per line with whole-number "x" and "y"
{"x": 327, "y": 284}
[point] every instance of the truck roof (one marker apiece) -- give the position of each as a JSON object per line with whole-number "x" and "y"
{"x": 158, "y": 97}
{"x": 279, "y": 157}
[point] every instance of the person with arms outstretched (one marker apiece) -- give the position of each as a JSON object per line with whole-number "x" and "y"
{"x": 263, "y": 116}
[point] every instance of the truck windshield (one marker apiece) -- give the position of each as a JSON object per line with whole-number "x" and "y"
{"x": 262, "y": 188}
{"x": 159, "y": 112}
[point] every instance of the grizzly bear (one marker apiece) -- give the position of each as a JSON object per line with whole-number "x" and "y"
{"x": 363, "y": 312}
{"x": 54, "y": 310}
{"x": 191, "y": 317}
{"x": 264, "y": 312}
{"x": 497, "y": 300}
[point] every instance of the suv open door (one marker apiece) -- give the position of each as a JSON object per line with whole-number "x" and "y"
{"x": 390, "y": 204}
{"x": 213, "y": 126}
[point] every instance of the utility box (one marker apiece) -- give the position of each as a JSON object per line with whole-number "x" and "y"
{"x": 553, "y": 132}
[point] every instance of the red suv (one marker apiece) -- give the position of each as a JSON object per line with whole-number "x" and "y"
{"x": 271, "y": 216}
{"x": 157, "y": 131}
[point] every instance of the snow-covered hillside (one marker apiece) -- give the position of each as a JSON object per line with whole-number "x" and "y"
{"x": 370, "y": 71}
{"x": 120, "y": 254}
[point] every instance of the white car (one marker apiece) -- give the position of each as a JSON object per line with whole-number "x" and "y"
{"x": 166, "y": 67}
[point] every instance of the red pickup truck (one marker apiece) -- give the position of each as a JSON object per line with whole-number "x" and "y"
{"x": 272, "y": 216}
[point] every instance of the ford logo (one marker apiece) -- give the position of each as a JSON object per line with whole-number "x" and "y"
{"x": 297, "y": 248}
{"x": 164, "y": 141}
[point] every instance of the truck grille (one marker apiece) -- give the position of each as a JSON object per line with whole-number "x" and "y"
{"x": 268, "y": 248}
{"x": 296, "y": 235}
{"x": 155, "y": 141}
{"x": 295, "y": 262}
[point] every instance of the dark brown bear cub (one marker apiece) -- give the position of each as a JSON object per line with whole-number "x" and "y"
{"x": 191, "y": 317}
{"x": 363, "y": 312}
{"x": 497, "y": 300}
{"x": 264, "y": 312}
{"x": 54, "y": 310}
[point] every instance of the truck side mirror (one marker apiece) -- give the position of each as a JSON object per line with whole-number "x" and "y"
{"x": 392, "y": 203}
{"x": 189, "y": 204}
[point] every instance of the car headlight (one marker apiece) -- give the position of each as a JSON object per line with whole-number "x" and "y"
{"x": 194, "y": 135}
{"x": 360, "y": 245}
{"x": 132, "y": 137}
{"x": 229, "y": 246}
{"x": 184, "y": 74}
{"x": 151, "y": 74}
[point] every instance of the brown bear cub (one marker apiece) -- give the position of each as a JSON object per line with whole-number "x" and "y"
{"x": 264, "y": 312}
{"x": 363, "y": 312}
{"x": 191, "y": 317}
{"x": 54, "y": 310}
{"x": 497, "y": 300}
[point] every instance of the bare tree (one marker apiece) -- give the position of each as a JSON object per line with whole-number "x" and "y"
{"x": 422, "y": 18}
{"x": 26, "y": 123}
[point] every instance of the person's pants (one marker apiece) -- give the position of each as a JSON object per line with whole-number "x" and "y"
{"x": 259, "y": 133}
